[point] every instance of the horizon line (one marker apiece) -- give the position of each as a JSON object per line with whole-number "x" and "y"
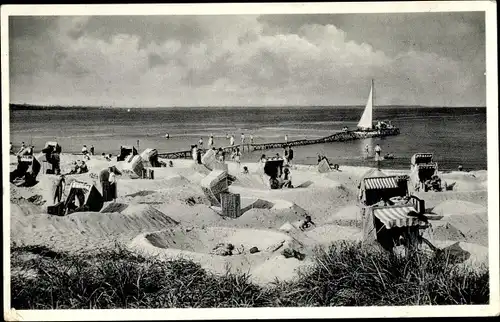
{"x": 239, "y": 106}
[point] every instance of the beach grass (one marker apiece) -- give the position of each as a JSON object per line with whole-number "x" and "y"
{"x": 346, "y": 274}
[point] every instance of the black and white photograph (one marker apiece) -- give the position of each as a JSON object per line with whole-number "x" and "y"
{"x": 334, "y": 156}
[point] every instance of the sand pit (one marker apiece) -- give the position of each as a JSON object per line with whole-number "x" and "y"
{"x": 201, "y": 245}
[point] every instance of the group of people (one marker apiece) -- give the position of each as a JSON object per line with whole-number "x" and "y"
{"x": 78, "y": 167}
{"x": 29, "y": 151}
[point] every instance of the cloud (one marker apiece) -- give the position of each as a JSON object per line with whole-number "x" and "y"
{"x": 229, "y": 60}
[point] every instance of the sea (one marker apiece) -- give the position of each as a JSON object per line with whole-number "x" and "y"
{"x": 456, "y": 136}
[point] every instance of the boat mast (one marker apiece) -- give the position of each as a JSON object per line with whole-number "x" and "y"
{"x": 373, "y": 99}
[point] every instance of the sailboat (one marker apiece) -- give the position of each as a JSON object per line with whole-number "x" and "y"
{"x": 366, "y": 128}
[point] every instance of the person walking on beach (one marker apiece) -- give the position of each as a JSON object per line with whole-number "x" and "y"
{"x": 105, "y": 184}
{"x": 211, "y": 141}
{"x": 59, "y": 189}
{"x": 286, "y": 138}
{"x": 112, "y": 184}
{"x": 92, "y": 150}
{"x": 378, "y": 151}
{"x": 227, "y": 136}
{"x": 237, "y": 157}
{"x": 200, "y": 143}
{"x": 231, "y": 140}
{"x": 251, "y": 139}
{"x": 367, "y": 151}
{"x": 242, "y": 138}
{"x": 290, "y": 155}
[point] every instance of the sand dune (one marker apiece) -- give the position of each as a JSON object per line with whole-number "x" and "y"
{"x": 170, "y": 216}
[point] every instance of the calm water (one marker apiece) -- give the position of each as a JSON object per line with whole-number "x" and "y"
{"x": 454, "y": 135}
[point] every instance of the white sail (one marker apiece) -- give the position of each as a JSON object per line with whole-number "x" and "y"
{"x": 366, "y": 119}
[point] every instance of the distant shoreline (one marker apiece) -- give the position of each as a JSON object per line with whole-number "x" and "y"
{"x": 23, "y": 107}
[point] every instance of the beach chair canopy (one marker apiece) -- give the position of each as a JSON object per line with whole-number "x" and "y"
{"x": 51, "y": 147}
{"x": 215, "y": 183}
{"x": 209, "y": 159}
{"x": 396, "y": 216}
{"x": 88, "y": 195}
{"x": 374, "y": 189}
{"x": 150, "y": 157}
{"x": 420, "y": 158}
{"x": 273, "y": 168}
{"x": 134, "y": 164}
{"x": 426, "y": 171}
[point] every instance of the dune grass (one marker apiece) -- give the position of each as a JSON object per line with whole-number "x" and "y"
{"x": 347, "y": 274}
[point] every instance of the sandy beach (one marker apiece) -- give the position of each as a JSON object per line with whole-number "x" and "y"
{"x": 170, "y": 216}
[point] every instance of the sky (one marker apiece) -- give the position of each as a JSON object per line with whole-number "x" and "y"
{"x": 430, "y": 59}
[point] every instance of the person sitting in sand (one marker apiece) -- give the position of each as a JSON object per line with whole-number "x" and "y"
{"x": 287, "y": 179}
{"x": 83, "y": 167}
{"x": 306, "y": 223}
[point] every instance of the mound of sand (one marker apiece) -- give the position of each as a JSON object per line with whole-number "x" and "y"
{"x": 465, "y": 255}
{"x": 471, "y": 227}
{"x": 97, "y": 229}
{"x": 454, "y": 207}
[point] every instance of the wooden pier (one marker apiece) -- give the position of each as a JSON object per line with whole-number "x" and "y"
{"x": 336, "y": 137}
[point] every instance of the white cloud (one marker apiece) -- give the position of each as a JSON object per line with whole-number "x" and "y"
{"x": 236, "y": 63}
